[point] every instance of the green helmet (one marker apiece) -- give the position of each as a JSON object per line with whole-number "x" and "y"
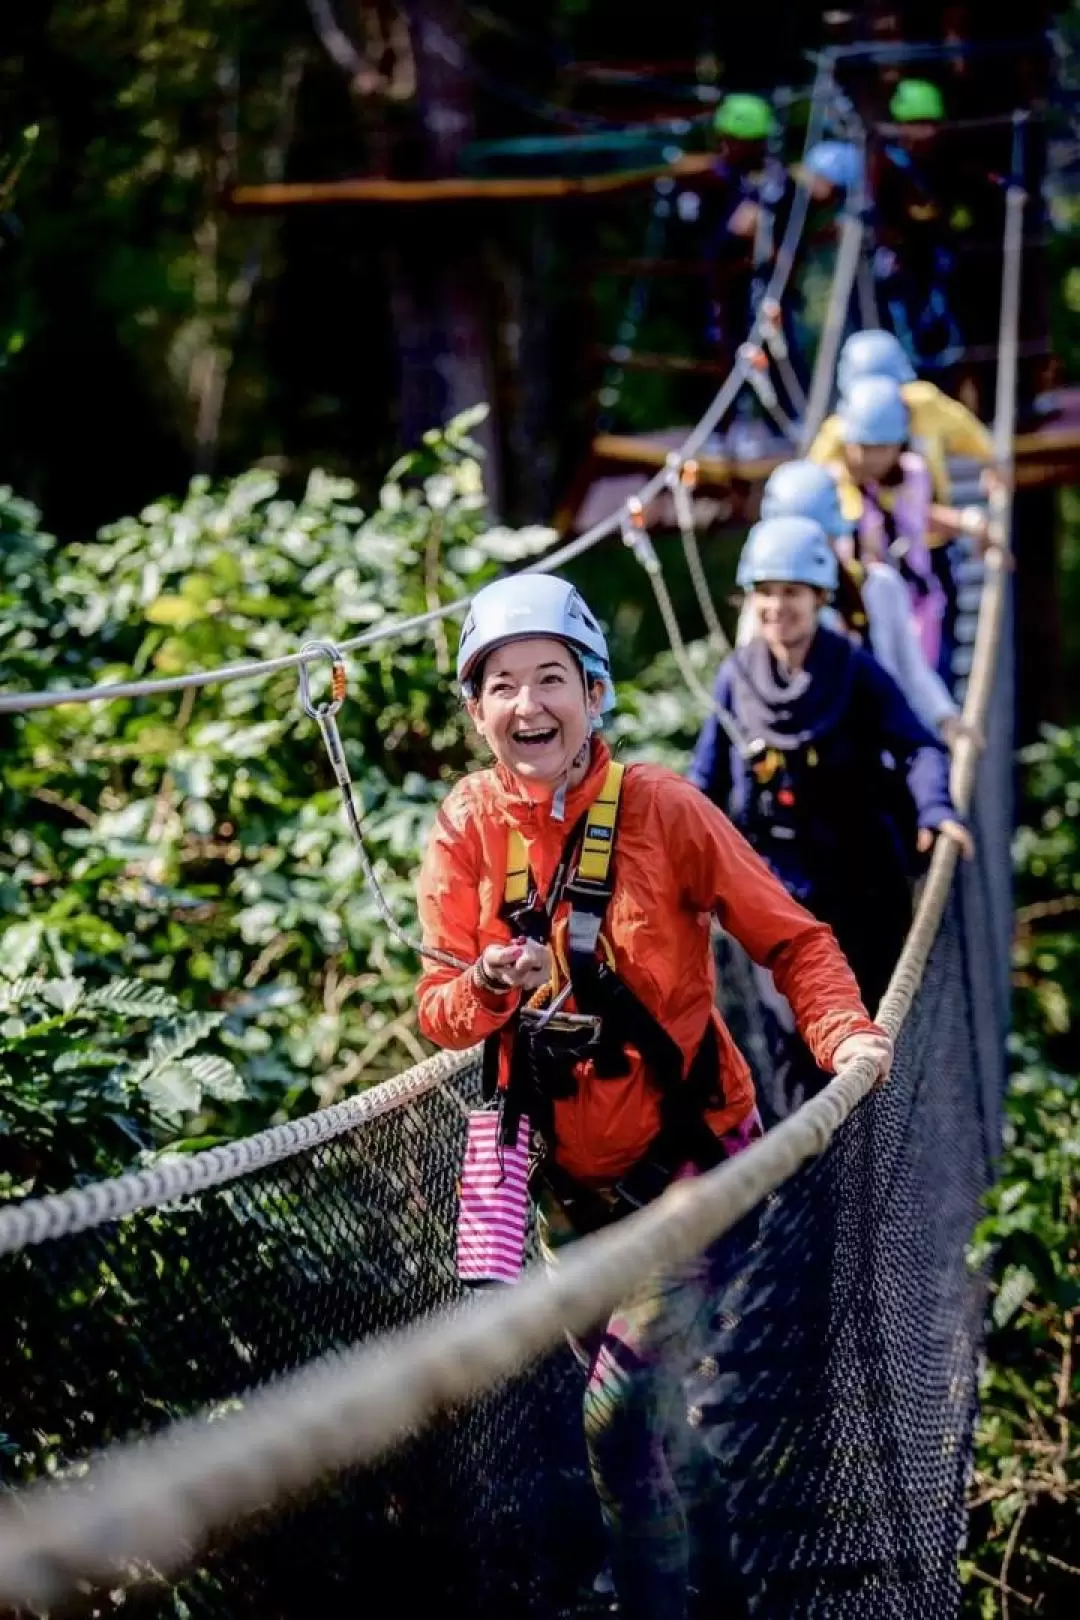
{"x": 744, "y": 118}
{"x": 917, "y": 101}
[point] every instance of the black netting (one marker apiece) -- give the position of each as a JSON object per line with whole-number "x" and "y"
{"x": 835, "y": 1405}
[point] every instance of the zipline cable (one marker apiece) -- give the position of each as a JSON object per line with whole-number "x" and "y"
{"x": 155, "y": 1502}
{"x": 259, "y": 669}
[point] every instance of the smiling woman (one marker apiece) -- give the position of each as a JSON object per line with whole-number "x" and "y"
{"x": 583, "y": 892}
{"x": 529, "y": 709}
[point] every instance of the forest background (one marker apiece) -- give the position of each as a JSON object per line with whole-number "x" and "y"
{"x": 186, "y": 949}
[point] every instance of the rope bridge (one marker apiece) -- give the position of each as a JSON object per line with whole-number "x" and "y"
{"x": 297, "y": 1407}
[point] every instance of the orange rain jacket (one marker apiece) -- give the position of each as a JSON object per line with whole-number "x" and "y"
{"x": 677, "y": 860}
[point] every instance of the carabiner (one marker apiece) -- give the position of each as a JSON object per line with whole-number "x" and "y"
{"x": 329, "y": 707}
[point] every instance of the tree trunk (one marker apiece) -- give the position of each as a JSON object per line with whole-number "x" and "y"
{"x": 438, "y": 297}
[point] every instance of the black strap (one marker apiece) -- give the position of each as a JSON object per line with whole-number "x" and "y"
{"x": 684, "y": 1137}
{"x": 533, "y": 918}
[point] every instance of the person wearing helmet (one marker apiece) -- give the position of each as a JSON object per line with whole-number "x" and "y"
{"x": 829, "y": 170}
{"x": 870, "y": 602}
{"x": 810, "y": 787}
{"x": 899, "y": 518}
{"x": 745, "y": 198}
{"x": 919, "y": 105}
{"x": 912, "y": 188}
{"x": 572, "y": 883}
{"x": 942, "y": 425}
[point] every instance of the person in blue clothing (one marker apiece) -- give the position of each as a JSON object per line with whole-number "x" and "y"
{"x": 813, "y": 786}
{"x": 745, "y": 200}
{"x": 870, "y": 603}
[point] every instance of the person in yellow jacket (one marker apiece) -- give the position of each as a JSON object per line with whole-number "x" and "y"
{"x": 942, "y": 426}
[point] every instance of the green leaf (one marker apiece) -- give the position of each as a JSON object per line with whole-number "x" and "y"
{"x": 178, "y": 611}
{"x": 133, "y": 998}
{"x": 1014, "y": 1290}
{"x": 218, "y": 1078}
{"x": 18, "y": 947}
{"x": 173, "y": 1090}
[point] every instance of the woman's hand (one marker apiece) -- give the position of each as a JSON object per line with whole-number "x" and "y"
{"x": 954, "y": 726}
{"x": 521, "y": 965}
{"x": 947, "y": 829}
{"x": 877, "y": 1047}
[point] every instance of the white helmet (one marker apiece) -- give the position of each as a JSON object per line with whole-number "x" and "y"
{"x": 872, "y": 353}
{"x": 793, "y": 550}
{"x": 524, "y": 605}
{"x": 803, "y": 489}
{"x": 873, "y": 412}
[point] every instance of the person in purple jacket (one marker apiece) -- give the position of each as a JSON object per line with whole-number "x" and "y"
{"x": 834, "y": 780}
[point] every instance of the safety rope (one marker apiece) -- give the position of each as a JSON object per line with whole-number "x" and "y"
{"x": 325, "y": 715}
{"x": 755, "y": 358}
{"x": 775, "y": 341}
{"x": 155, "y": 1502}
{"x": 260, "y": 669}
{"x": 821, "y": 384}
{"x": 682, "y": 479}
{"x": 637, "y": 538}
{"x": 40, "y": 1220}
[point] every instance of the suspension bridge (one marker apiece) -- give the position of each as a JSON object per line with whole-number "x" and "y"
{"x": 247, "y": 1381}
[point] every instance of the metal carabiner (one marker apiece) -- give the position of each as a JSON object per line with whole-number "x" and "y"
{"x": 553, "y": 1006}
{"x": 338, "y": 680}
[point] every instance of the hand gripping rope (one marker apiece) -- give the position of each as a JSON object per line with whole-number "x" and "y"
{"x": 637, "y": 537}
{"x": 325, "y": 714}
{"x": 682, "y": 477}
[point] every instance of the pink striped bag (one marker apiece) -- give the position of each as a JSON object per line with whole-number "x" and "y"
{"x": 493, "y": 1201}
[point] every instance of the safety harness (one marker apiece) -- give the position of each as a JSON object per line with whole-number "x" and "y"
{"x": 548, "y": 1044}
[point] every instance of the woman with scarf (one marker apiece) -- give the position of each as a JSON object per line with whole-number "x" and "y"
{"x": 870, "y": 603}
{"x": 515, "y": 881}
{"x": 814, "y": 787}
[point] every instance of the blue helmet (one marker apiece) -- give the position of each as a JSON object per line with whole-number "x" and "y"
{"x": 873, "y": 412}
{"x": 872, "y": 354}
{"x": 792, "y": 550}
{"x": 837, "y": 162}
{"x": 524, "y": 605}
{"x": 803, "y": 489}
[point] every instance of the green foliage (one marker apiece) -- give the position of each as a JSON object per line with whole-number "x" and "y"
{"x": 1026, "y": 1488}
{"x": 90, "y": 1077}
{"x": 196, "y": 841}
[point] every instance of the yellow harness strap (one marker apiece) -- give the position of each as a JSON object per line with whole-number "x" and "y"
{"x": 597, "y": 844}
{"x": 516, "y": 884}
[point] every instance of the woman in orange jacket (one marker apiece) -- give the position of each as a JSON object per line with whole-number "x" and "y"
{"x": 583, "y": 901}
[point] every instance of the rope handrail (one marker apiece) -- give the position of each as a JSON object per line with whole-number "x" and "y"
{"x": 260, "y": 669}
{"x": 156, "y": 1501}
{"x": 59, "y": 1215}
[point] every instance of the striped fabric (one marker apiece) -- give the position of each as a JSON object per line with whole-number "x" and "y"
{"x": 493, "y": 1206}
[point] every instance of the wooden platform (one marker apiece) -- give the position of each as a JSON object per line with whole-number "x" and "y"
{"x": 371, "y": 189}
{"x": 618, "y": 463}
